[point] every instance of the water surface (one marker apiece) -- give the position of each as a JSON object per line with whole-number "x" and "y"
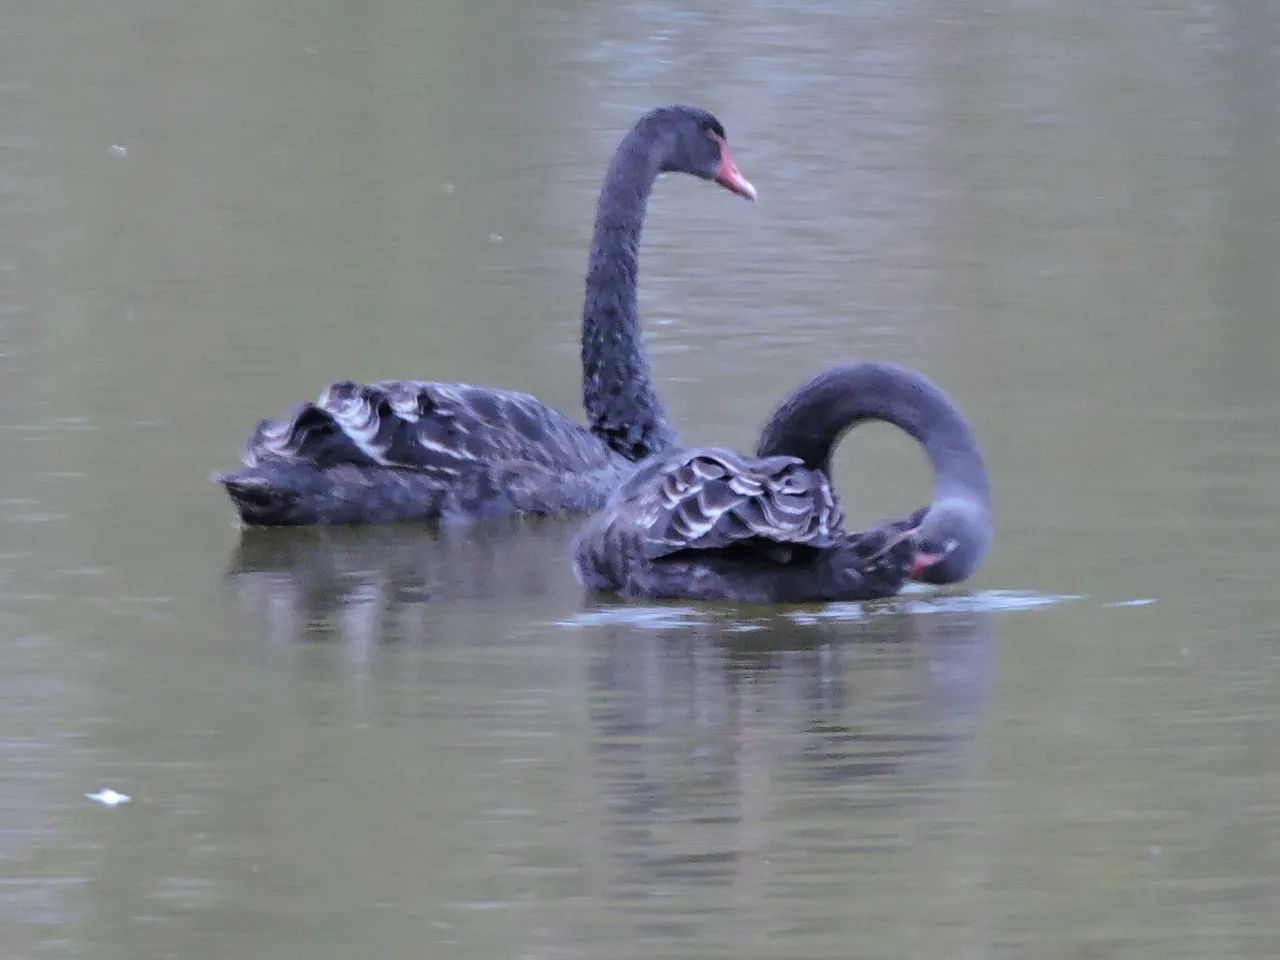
{"x": 393, "y": 743}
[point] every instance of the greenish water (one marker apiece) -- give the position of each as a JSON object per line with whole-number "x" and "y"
{"x": 391, "y": 744}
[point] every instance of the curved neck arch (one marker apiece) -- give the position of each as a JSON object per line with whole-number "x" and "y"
{"x": 810, "y": 422}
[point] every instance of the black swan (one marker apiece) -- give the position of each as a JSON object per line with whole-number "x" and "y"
{"x": 710, "y": 524}
{"x": 410, "y": 450}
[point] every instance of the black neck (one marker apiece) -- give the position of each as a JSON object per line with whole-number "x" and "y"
{"x": 810, "y": 422}
{"x": 622, "y": 405}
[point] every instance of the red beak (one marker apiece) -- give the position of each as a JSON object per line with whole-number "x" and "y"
{"x": 731, "y": 177}
{"x": 924, "y": 561}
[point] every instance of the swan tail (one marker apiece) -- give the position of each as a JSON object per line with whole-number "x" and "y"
{"x": 314, "y": 435}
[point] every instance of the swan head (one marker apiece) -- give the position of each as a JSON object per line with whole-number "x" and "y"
{"x": 687, "y": 139}
{"x": 952, "y": 539}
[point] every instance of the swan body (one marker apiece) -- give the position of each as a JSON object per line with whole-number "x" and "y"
{"x": 710, "y": 524}
{"x": 407, "y": 450}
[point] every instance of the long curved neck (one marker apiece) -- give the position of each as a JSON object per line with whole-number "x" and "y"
{"x": 810, "y": 422}
{"x": 622, "y": 405}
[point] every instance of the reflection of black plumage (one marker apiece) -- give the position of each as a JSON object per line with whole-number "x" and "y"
{"x": 319, "y": 582}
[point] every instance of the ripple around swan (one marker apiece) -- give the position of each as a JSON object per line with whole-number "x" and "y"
{"x": 987, "y": 601}
{"x": 648, "y": 617}
{"x": 917, "y": 599}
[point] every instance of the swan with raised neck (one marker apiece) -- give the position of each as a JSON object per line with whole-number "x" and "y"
{"x": 404, "y": 450}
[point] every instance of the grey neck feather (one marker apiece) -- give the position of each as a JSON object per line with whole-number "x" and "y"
{"x": 622, "y": 405}
{"x": 811, "y": 421}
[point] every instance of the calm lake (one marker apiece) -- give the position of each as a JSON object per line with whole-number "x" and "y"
{"x": 392, "y": 743}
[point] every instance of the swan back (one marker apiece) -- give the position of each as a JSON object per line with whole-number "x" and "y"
{"x": 710, "y": 524}
{"x": 711, "y": 499}
{"x": 440, "y": 428}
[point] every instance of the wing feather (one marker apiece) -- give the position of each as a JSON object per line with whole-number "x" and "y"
{"x": 710, "y": 499}
{"x": 439, "y": 428}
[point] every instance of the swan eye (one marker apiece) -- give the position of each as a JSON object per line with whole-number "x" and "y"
{"x": 713, "y": 129}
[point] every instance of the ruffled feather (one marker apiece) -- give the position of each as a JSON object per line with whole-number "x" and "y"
{"x": 709, "y": 499}
{"x": 439, "y": 428}
{"x": 711, "y": 524}
{"x": 405, "y": 450}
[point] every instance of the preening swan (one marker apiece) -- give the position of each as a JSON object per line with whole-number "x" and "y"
{"x": 711, "y": 524}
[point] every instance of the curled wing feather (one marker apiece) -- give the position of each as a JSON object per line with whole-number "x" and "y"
{"x": 441, "y": 428}
{"x": 710, "y": 499}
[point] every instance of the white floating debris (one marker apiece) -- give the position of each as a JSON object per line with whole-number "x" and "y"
{"x": 495, "y": 238}
{"x": 108, "y": 797}
{"x": 448, "y": 188}
{"x": 119, "y": 150}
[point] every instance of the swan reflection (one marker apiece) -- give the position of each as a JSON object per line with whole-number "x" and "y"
{"x": 733, "y": 767}
{"x": 373, "y": 584}
{"x": 724, "y": 758}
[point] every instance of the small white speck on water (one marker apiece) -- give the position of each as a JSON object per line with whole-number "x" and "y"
{"x": 310, "y": 49}
{"x": 1156, "y": 849}
{"x": 495, "y": 238}
{"x": 120, "y": 150}
{"x": 108, "y": 797}
{"x": 449, "y": 188}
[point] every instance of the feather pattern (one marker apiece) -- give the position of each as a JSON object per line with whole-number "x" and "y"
{"x": 709, "y": 499}
{"x": 410, "y": 450}
{"x": 711, "y": 524}
{"x": 442, "y": 428}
